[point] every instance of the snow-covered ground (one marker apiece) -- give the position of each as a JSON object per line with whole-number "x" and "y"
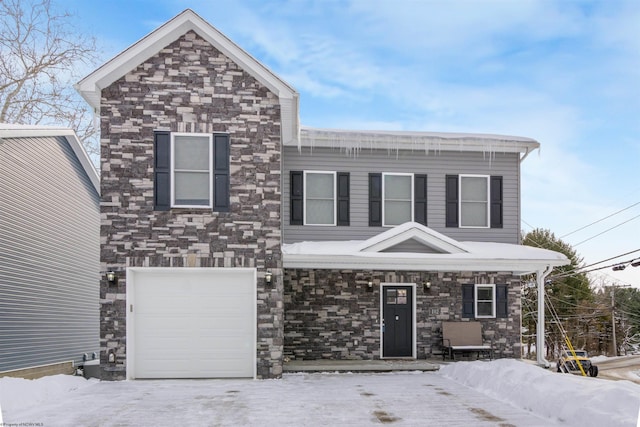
{"x": 572, "y": 399}
{"x": 567, "y": 399}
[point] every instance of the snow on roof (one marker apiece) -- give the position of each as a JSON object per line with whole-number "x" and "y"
{"x": 352, "y": 141}
{"x": 415, "y": 231}
{"x": 450, "y": 256}
{"x": 9, "y": 130}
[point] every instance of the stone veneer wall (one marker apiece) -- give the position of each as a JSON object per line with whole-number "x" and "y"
{"x": 328, "y": 311}
{"x": 190, "y": 86}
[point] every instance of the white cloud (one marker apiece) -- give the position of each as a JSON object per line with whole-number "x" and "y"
{"x": 565, "y": 73}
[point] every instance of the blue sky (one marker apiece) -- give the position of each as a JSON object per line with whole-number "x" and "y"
{"x": 566, "y": 73}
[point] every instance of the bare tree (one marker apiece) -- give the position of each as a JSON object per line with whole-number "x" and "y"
{"x": 40, "y": 53}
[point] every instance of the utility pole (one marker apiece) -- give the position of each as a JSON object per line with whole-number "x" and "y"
{"x": 613, "y": 321}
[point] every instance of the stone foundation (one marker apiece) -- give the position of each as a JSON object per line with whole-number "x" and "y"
{"x": 333, "y": 314}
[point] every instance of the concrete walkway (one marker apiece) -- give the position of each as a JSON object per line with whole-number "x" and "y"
{"x": 360, "y": 365}
{"x": 300, "y": 399}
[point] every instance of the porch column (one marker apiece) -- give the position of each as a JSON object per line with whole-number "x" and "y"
{"x": 541, "y": 275}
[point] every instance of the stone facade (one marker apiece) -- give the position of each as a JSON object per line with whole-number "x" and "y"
{"x": 332, "y": 314}
{"x": 190, "y": 86}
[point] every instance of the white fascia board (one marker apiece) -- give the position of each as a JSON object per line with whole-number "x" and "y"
{"x": 28, "y": 131}
{"x": 84, "y": 159}
{"x": 415, "y": 264}
{"x": 403, "y": 140}
{"x": 154, "y": 42}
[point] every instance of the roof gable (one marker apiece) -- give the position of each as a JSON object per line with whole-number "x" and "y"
{"x": 91, "y": 86}
{"x": 409, "y": 232}
{"x": 33, "y": 131}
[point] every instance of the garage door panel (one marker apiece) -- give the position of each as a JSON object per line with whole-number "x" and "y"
{"x": 194, "y": 324}
{"x": 215, "y": 368}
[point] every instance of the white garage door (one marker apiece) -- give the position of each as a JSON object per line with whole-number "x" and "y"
{"x": 191, "y": 323}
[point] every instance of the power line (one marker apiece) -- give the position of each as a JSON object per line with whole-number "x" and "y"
{"x": 557, "y": 245}
{"x": 600, "y": 220}
{"x": 576, "y": 270}
{"x": 558, "y": 276}
{"x": 615, "y": 279}
{"x": 609, "y": 259}
{"x": 606, "y": 231}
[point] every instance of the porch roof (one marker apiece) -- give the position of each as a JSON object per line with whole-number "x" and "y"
{"x": 441, "y": 253}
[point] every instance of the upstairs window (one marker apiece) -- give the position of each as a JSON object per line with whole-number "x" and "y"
{"x": 319, "y": 200}
{"x": 474, "y": 201}
{"x": 397, "y": 198}
{"x": 191, "y": 170}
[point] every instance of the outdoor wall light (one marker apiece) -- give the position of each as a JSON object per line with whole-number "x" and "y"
{"x": 268, "y": 277}
{"x": 426, "y": 285}
{"x": 112, "y": 278}
{"x": 370, "y": 286}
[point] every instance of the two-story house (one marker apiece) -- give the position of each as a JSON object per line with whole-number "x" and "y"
{"x": 233, "y": 238}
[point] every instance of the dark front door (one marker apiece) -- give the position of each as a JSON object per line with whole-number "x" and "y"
{"x": 397, "y": 317}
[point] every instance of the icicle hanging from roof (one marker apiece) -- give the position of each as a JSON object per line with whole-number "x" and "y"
{"x": 352, "y": 143}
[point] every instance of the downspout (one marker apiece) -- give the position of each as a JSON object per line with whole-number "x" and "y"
{"x": 541, "y": 275}
{"x": 526, "y": 154}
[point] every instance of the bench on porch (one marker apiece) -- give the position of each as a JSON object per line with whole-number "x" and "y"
{"x": 464, "y": 338}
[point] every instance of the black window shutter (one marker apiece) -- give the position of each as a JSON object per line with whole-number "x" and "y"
{"x": 420, "y": 199}
{"x": 468, "y": 301}
{"x": 502, "y": 308}
{"x": 161, "y": 170}
{"x": 451, "y": 209}
{"x": 343, "y": 198}
{"x": 296, "y": 198}
{"x": 221, "y": 200}
{"x": 496, "y": 202}
{"x": 375, "y": 199}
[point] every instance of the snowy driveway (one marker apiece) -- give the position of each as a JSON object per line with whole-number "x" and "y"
{"x": 399, "y": 399}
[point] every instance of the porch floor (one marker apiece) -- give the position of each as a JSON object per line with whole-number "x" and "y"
{"x": 386, "y": 365}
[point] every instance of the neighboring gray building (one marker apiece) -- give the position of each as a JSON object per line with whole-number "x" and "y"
{"x": 49, "y": 251}
{"x": 238, "y": 239}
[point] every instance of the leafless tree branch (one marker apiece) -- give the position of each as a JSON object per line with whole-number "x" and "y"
{"x": 40, "y": 55}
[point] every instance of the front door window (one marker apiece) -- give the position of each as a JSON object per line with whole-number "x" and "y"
{"x": 397, "y": 314}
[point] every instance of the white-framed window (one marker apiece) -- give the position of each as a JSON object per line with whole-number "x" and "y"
{"x": 191, "y": 170}
{"x": 485, "y": 301}
{"x": 319, "y": 198}
{"x": 474, "y": 201}
{"x": 397, "y": 198}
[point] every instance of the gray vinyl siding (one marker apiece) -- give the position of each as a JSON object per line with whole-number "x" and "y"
{"x": 49, "y": 254}
{"x": 436, "y": 165}
{"x": 411, "y": 245}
